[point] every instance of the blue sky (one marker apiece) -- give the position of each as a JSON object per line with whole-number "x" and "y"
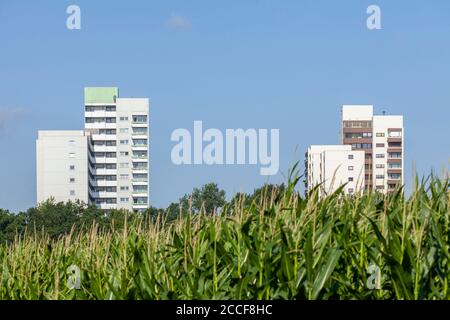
{"x": 232, "y": 64}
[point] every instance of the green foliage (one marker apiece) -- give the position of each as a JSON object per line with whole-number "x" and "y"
{"x": 278, "y": 246}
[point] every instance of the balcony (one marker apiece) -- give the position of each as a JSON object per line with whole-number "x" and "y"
{"x": 140, "y": 192}
{"x": 139, "y": 134}
{"x": 357, "y": 140}
{"x": 394, "y": 149}
{"x": 103, "y": 137}
{"x": 395, "y": 171}
{"x": 139, "y": 181}
{"x": 141, "y": 147}
{"x": 103, "y": 183}
{"x": 139, "y": 158}
{"x": 394, "y": 139}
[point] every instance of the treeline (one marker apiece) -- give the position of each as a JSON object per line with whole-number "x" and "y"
{"x": 59, "y": 218}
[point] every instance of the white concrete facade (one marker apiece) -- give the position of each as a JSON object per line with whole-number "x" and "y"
{"x": 332, "y": 166}
{"x": 119, "y": 128}
{"x": 108, "y": 160}
{"x": 62, "y": 166}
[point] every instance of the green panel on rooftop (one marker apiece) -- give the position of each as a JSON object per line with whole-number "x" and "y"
{"x": 100, "y": 94}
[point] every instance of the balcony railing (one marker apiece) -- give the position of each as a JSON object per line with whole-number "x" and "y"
{"x": 140, "y": 191}
{"x": 140, "y": 203}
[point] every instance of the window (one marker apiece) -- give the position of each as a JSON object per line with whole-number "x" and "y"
{"x": 139, "y": 165}
{"x": 350, "y": 156}
{"x": 140, "y": 154}
{"x": 123, "y": 130}
{"x": 110, "y": 120}
{"x": 350, "y": 190}
{"x": 395, "y": 155}
{"x": 140, "y": 118}
{"x": 139, "y": 142}
{"x": 72, "y": 155}
{"x": 394, "y": 176}
{"x": 380, "y": 155}
{"x": 72, "y": 167}
{"x": 395, "y": 134}
{"x": 361, "y": 145}
{"x": 123, "y": 118}
{"x": 123, "y": 141}
{"x": 107, "y": 131}
{"x": 110, "y": 108}
{"x": 379, "y": 187}
{"x": 380, "y": 145}
{"x": 110, "y": 154}
{"x": 350, "y": 179}
{"x": 124, "y": 153}
{"x": 124, "y": 177}
{"x": 395, "y": 165}
{"x": 124, "y": 165}
{"x": 350, "y": 168}
{"x": 140, "y": 176}
{"x": 379, "y": 176}
{"x": 380, "y": 134}
{"x": 124, "y": 188}
{"x": 357, "y": 124}
{"x": 72, "y": 180}
{"x": 140, "y": 130}
{"x": 72, "y": 192}
{"x": 380, "y": 166}
{"x": 394, "y": 144}
{"x": 123, "y": 199}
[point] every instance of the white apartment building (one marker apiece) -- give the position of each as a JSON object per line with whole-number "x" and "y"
{"x": 381, "y": 137}
{"x": 332, "y": 166}
{"x": 116, "y": 174}
{"x": 62, "y": 166}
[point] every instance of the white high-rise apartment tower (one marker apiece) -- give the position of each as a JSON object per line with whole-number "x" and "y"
{"x": 381, "y": 137}
{"x": 107, "y": 163}
{"x": 118, "y": 176}
{"x": 371, "y": 156}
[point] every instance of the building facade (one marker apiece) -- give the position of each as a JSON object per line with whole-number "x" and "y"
{"x": 381, "y": 138}
{"x": 372, "y": 145}
{"x": 62, "y": 166}
{"x": 116, "y": 154}
{"x": 331, "y": 166}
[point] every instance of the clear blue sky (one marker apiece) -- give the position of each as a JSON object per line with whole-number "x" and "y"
{"x": 250, "y": 64}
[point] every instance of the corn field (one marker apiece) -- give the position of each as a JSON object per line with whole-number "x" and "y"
{"x": 285, "y": 246}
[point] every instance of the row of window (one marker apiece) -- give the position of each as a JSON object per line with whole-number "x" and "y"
{"x": 357, "y": 124}
{"x": 361, "y": 145}
{"x": 358, "y": 135}
{"x": 105, "y": 154}
{"x": 100, "y": 108}
{"x": 105, "y": 166}
{"x": 108, "y": 143}
{"x": 100, "y": 120}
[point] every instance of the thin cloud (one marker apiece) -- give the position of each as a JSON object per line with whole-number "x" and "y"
{"x": 10, "y": 116}
{"x": 177, "y": 21}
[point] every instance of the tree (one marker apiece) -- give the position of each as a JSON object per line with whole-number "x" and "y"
{"x": 209, "y": 197}
{"x": 258, "y": 194}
